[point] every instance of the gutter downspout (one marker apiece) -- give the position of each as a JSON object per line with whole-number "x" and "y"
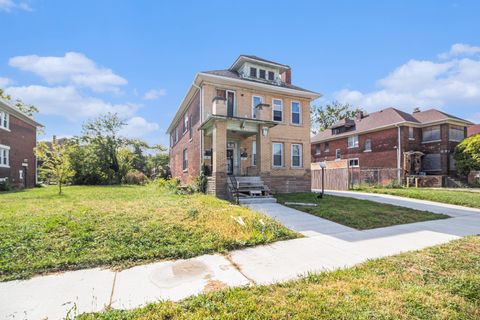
{"x": 399, "y": 154}
{"x": 201, "y": 121}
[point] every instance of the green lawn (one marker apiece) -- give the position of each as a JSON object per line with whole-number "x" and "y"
{"x": 462, "y": 198}
{"x": 441, "y": 282}
{"x": 358, "y": 214}
{"x": 119, "y": 226}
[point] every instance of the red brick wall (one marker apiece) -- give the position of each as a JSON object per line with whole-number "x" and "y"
{"x": 192, "y": 145}
{"x": 383, "y": 154}
{"x": 22, "y": 140}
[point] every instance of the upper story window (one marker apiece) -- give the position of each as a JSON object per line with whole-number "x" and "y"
{"x": 337, "y": 154}
{"x": 277, "y": 153}
{"x": 185, "y": 123}
{"x": 190, "y": 131}
{"x": 326, "y": 147}
{"x": 353, "y": 141}
{"x": 262, "y": 74}
{"x": 4, "y": 156}
{"x": 295, "y": 112}
{"x": 431, "y": 134}
{"x": 456, "y": 133}
{"x": 256, "y": 100}
{"x": 411, "y": 133}
{"x": 317, "y": 149}
{"x": 296, "y": 155}
{"x": 253, "y": 72}
{"x": 277, "y": 110}
{"x": 368, "y": 145}
{"x": 4, "y": 120}
{"x": 176, "y": 134}
{"x": 254, "y": 153}
{"x": 271, "y": 75}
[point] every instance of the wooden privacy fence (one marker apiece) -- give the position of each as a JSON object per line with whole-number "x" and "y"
{"x": 347, "y": 178}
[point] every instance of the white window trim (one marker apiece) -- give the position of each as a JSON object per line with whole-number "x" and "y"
{"x": 266, "y": 74}
{"x": 336, "y": 154}
{"x": 301, "y": 155}
{"x": 319, "y": 147}
{"x": 185, "y": 123}
{"x": 250, "y": 72}
{"x": 436, "y": 140}
{"x": 355, "y": 144}
{"x": 369, "y": 149}
{"x": 7, "y": 148}
{"x": 299, "y": 113}
{"x": 234, "y": 101}
{"x": 7, "y": 116}
{"x": 185, "y": 157}
{"x": 273, "y": 109}
{"x": 253, "y": 107}
{"x": 254, "y": 152}
{"x": 357, "y": 166}
{"x": 273, "y": 155}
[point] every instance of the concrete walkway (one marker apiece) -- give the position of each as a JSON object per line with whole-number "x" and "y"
{"x": 327, "y": 246}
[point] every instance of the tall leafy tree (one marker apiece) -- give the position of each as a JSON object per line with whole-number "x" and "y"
{"x": 103, "y": 133}
{"x": 323, "y": 117}
{"x": 467, "y": 155}
{"x": 28, "y": 109}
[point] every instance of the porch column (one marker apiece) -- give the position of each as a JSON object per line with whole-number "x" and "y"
{"x": 263, "y": 152}
{"x": 219, "y": 157}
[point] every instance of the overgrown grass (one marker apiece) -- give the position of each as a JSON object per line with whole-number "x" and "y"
{"x": 462, "y": 198}
{"x": 358, "y": 214}
{"x": 441, "y": 282}
{"x": 119, "y": 226}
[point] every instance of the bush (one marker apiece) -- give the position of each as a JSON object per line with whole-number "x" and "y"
{"x": 5, "y": 185}
{"x": 394, "y": 184}
{"x": 467, "y": 155}
{"x": 202, "y": 180}
{"x": 136, "y": 177}
{"x": 169, "y": 185}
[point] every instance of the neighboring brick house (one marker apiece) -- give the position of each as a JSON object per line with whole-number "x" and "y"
{"x": 473, "y": 130}
{"x": 414, "y": 144}
{"x": 248, "y": 120}
{"x": 18, "y": 138}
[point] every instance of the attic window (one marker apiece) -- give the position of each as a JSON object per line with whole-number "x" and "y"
{"x": 253, "y": 72}
{"x": 335, "y": 131}
{"x": 262, "y": 74}
{"x": 271, "y": 75}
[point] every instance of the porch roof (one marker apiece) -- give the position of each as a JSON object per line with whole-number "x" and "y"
{"x": 240, "y": 121}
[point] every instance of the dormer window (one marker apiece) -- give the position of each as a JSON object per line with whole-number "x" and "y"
{"x": 253, "y": 72}
{"x": 262, "y": 74}
{"x": 271, "y": 75}
{"x": 335, "y": 131}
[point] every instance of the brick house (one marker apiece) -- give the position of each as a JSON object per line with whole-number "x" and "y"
{"x": 246, "y": 121}
{"x": 473, "y": 130}
{"x": 421, "y": 143}
{"x": 18, "y": 138}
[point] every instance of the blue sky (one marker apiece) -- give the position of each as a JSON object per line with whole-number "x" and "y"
{"x": 76, "y": 59}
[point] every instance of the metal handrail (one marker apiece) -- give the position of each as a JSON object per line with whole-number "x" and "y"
{"x": 234, "y": 183}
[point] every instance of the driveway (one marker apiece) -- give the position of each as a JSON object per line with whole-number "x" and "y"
{"x": 326, "y": 246}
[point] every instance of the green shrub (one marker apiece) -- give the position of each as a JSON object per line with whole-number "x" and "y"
{"x": 5, "y": 185}
{"x": 136, "y": 177}
{"x": 202, "y": 180}
{"x": 169, "y": 185}
{"x": 467, "y": 155}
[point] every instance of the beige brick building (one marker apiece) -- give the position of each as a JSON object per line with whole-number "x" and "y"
{"x": 247, "y": 121}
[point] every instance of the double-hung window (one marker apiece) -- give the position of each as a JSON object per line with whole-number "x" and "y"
{"x": 277, "y": 149}
{"x": 253, "y": 72}
{"x": 296, "y": 155}
{"x": 254, "y": 153}
{"x": 317, "y": 149}
{"x": 456, "y": 133}
{"x": 4, "y": 120}
{"x": 4, "y": 156}
{"x": 271, "y": 75}
{"x": 256, "y": 100}
{"x": 176, "y": 134}
{"x": 277, "y": 110}
{"x": 368, "y": 145}
{"x": 337, "y": 154}
{"x": 431, "y": 134}
{"x": 185, "y": 123}
{"x": 295, "y": 112}
{"x": 262, "y": 74}
{"x": 190, "y": 131}
{"x": 185, "y": 159}
{"x": 353, "y": 141}
{"x": 411, "y": 133}
{"x": 353, "y": 163}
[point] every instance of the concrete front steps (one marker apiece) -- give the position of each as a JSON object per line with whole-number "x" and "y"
{"x": 257, "y": 200}
{"x": 251, "y": 190}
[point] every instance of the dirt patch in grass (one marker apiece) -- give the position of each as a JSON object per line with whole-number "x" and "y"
{"x": 358, "y": 214}
{"x": 119, "y": 226}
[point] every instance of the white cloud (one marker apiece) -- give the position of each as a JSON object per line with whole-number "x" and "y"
{"x": 454, "y": 83}
{"x": 460, "y": 49}
{"x": 5, "y": 82}
{"x": 10, "y": 5}
{"x": 137, "y": 127}
{"x": 66, "y": 101}
{"x": 72, "y": 69}
{"x": 154, "y": 94}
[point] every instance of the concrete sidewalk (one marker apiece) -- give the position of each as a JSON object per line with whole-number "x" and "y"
{"x": 328, "y": 246}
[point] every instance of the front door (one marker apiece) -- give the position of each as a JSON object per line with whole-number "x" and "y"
{"x": 230, "y": 103}
{"x": 229, "y": 161}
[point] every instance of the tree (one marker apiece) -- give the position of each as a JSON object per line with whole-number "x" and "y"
{"x": 103, "y": 134}
{"x": 322, "y": 117}
{"x": 55, "y": 162}
{"x": 28, "y": 109}
{"x": 467, "y": 155}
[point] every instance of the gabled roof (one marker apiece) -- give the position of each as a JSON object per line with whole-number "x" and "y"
{"x": 387, "y": 118}
{"x": 11, "y": 109}
{"x": 245, "y": 57}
